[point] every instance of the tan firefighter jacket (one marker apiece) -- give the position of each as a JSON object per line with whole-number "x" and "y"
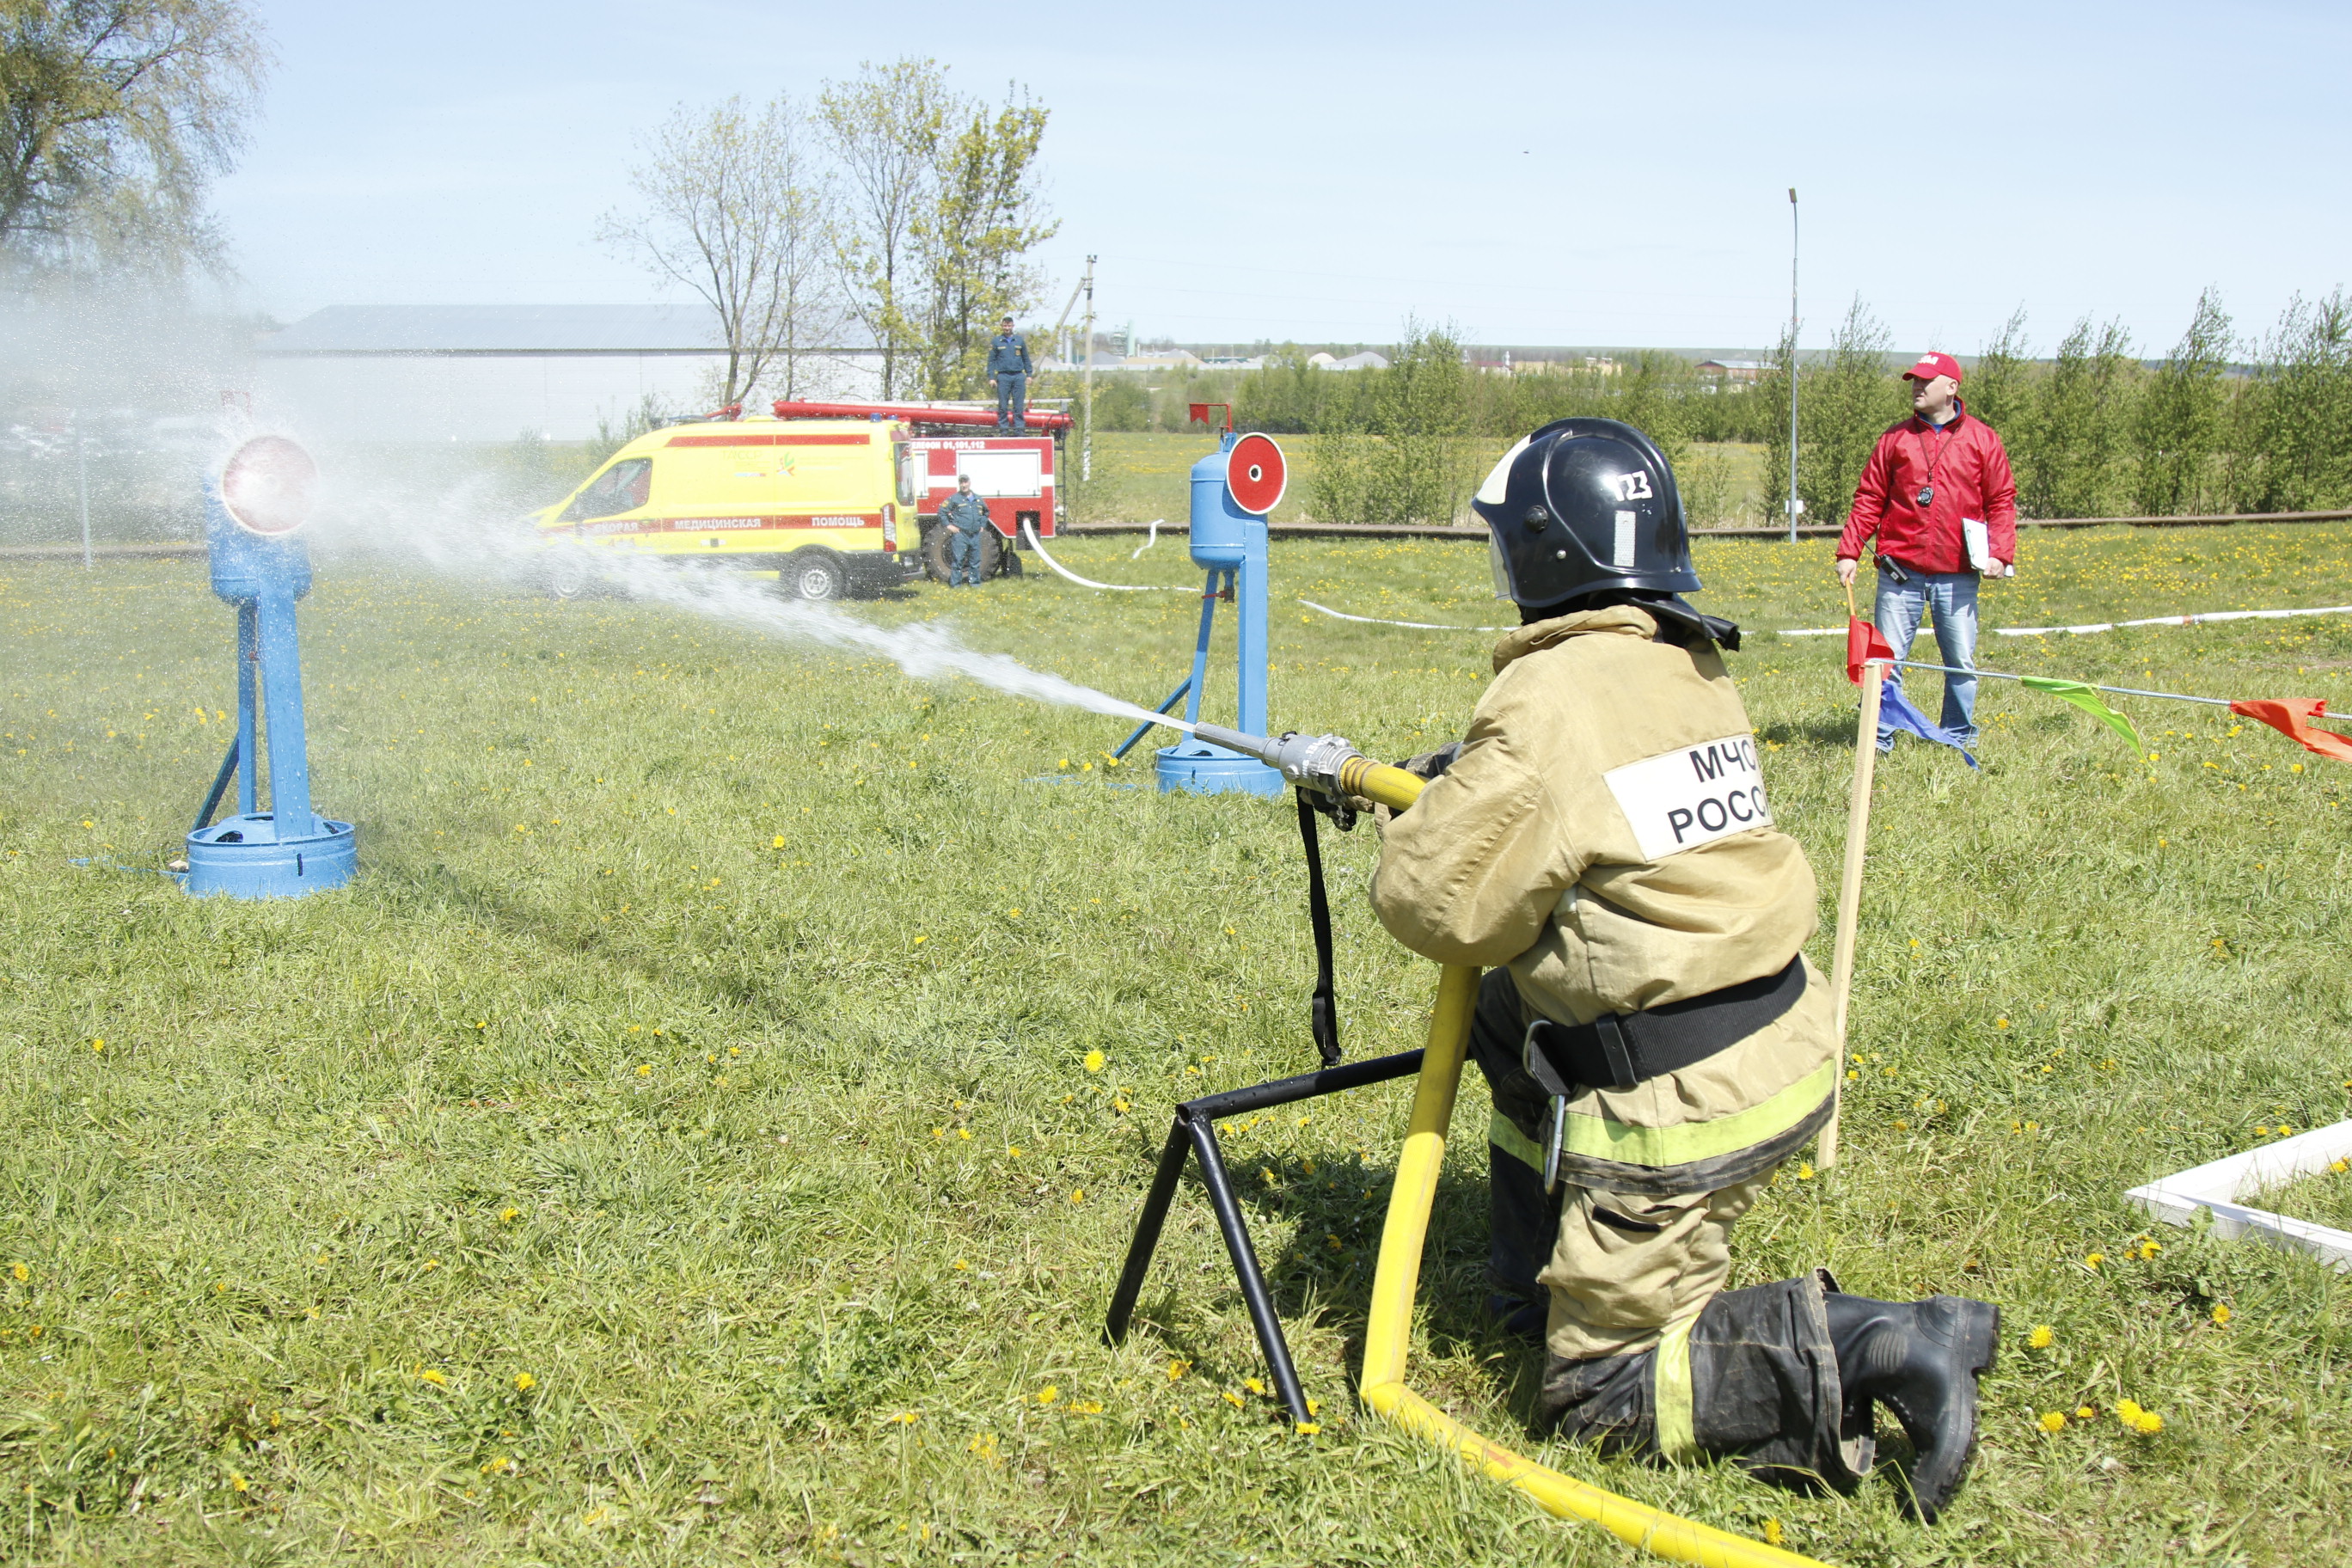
{"x": 1605, "y": 834}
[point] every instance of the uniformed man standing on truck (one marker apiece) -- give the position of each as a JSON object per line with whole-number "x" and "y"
{"x": 963, "y": 515}
{"x": 1008, "y": 364}
{"x": 1654, "y": 1041}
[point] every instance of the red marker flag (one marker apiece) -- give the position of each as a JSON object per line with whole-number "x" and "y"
{"x": 1863, "y": 644}
{"x": 2287, "y": 716}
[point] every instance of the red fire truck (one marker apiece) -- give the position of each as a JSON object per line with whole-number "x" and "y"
{"x": 1014, "y": 475}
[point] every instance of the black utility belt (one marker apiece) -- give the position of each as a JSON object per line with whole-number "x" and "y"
{"x": 1619, "y": 1050}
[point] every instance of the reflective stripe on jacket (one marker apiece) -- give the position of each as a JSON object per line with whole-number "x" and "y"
{"x": 1971, "y": 480}
{"x": 1590, "y": 837}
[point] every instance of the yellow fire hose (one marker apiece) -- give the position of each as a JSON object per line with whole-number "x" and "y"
{"x": 1398, "y": 1274}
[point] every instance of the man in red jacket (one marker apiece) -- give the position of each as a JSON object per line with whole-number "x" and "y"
{"x": 1937, "y": 493}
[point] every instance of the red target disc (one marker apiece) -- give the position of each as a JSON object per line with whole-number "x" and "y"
{"x": 1256, "y": 474}
{"x": 268, "y": 486}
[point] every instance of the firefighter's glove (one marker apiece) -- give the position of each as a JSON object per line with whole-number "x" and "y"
{"x": 1427, "y": 766}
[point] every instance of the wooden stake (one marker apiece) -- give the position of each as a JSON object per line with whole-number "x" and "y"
{"x": 1857, "y": 840}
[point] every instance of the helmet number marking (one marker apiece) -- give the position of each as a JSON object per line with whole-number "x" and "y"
{"x": 1634, "y": 486}
{"x": 1621, "y": 554}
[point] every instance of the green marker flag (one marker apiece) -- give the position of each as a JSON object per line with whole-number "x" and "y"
{"x": 2088, "y": 699}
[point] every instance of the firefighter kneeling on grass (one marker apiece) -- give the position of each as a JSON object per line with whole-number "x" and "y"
{"x": 1654, "y": 1041}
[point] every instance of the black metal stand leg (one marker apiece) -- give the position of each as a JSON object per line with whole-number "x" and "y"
{"x": 220, "y": 788}
{"x": 1147, "y": 1232}
{"x": 1237, "y": 1243}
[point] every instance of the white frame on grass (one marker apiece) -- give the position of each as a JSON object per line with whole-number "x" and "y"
{"x": 2215, "y": 1187}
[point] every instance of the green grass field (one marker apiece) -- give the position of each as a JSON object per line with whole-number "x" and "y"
{"x": 682, "y": 1145}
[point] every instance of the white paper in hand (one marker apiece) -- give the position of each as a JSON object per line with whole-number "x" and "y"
{"x": 1980, "y": 543}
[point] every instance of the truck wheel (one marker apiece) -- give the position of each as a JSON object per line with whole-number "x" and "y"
{"x": 566, "y": 574}
{"x": 813, "y": 574}
{"x": 935, "y": 553}
{"x": 1011, "y": 561}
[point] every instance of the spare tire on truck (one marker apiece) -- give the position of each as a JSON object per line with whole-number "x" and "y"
{"x": 935, "y": 553}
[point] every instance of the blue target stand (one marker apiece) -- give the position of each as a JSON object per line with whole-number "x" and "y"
{"x": 264, "y": 496}
{"x": 1234, "y": 488}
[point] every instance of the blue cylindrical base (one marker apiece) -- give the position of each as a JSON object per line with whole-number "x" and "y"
{"x": 1204, "y": 769}
{"x": 242, "y": 857}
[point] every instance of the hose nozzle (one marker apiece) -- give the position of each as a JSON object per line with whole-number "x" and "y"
{"x": 1328, "y": 763}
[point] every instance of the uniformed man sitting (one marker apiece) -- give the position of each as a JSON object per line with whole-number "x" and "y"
{"x": 963, "y": 515}
{"x": 1654, "y": 1041}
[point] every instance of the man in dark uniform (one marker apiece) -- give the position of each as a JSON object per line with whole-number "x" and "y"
{"x": 963, "y": 515}
{"x": 1008, "y": 364}
{"x": 1654, "y": 1041}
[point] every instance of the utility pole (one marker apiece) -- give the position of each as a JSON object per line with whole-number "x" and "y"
{"x": 1795, "y": 506}
{"x": 82, "y": 487}
{"x": 1086, "y": 386}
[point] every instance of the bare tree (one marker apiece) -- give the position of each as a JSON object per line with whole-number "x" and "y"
{"x": 732, "y": 207}
{"x": 887, "y": 128}
{"x": 115, "y": 116}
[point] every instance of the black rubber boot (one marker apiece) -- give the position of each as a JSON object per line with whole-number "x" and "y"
{"x": 1919, "y": 1359}
{"x": 1765, "y": 1387}
{"x": 1523, "y": 1223}
{"x": 1764, "y": 1392}
{"x": 1523, "y": 1219}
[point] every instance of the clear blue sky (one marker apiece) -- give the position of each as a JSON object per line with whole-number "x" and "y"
{"x": 1540, "y": 174}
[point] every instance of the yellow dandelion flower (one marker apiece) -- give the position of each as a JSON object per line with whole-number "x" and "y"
{"x": 1079, "y": 1195}
{"x": 509, "y": 1215}
{"x": 964, "y": 1133}
{"x": 525, "y": 1382}
{"x": 2148, "y": 1424}
{"x": 2221, "y": 1314}
{"x": 238, "y": 1482}
{"x": 906, "y": 1418}
{"x": 2001, "y": 1023}
{"x": 1233, "y": 1399}
{"x": 2094, "y": 1259}
{"x": 2052, "y": 1421}
{"x": 1047, "y": 1394}
{"x": 20, "y": 1272}
{"x": 98, "y": 1044}
{"x": 645, "y": 1069}
{"x": 778, "y": 843}
{"x": 1254, "y": 1385}
{"x": 1804, "y": 1172}
{"x": 1307, "y": 1428}
{"x": 1177, "y": 1369}
{"x": 1773, "y": 1534}
{"x": 960, "y": 1265}
{"x": 2340, "y": 1166}
{"x": 1095, "y": 1060}
{"x": 2086, "y": 1413}
{"x": 433, "y": 1375}
{"x": 2041, "y": 1336}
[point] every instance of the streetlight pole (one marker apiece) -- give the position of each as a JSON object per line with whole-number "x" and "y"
{"x": 1795, "y": 506}
{"x": 82, "y": 486}
{"x": 1087, "y": 385}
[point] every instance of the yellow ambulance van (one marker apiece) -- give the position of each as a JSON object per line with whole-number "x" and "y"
{"x": 818, "y": 502}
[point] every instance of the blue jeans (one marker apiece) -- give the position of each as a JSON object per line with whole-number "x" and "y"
{"x": 1949, "y": 599}
{"x": 1013, "y": 391}
{"x": 964, "y": 557}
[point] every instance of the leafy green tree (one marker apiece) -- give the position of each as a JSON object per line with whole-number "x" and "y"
{"x": 115, "y": 117}
{"x": 2001, "y": 388}
{"x": 2179, "y": 422}
{"x": 1843, "y": 405}
{"x": 972, "y": 243}
{"x": 2068, "y": 451}
{"x": 1394, "y": 452}
{"x": 2294, "y": 447}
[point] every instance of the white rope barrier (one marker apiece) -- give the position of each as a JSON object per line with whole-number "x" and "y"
{"x": 1029, "y": 533}
{"x": 2196, "y": 620}
{"x": 1416, "y": 625}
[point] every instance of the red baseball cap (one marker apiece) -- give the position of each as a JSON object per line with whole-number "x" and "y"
{"x": 1932, "y": 365}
